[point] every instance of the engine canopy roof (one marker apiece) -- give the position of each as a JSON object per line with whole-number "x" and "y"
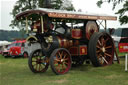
{"x": 65, "y": 14}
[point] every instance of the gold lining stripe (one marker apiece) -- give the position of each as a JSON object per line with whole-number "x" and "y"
{"x": 31, "y": 37}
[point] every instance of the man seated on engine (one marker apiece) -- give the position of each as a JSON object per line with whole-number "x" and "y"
{"x": 47, "y": 25}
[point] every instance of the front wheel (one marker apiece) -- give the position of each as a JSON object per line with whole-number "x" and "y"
{"x": 101, "y": 49}
{"x": 38, "y": 62}
{"x": 60, "y": 61}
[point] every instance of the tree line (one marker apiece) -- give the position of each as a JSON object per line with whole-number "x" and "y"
{"x": 11, "y": 35}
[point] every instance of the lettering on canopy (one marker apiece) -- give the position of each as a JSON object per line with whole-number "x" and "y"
{"x": 80, "y": 16}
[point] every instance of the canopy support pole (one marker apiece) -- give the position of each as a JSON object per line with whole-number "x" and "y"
{"x": 105, "y": 25}
{"x": 26, "y": 25}
{"x": 42, "y": 24}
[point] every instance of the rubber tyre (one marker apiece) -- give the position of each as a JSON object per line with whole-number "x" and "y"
{"x": 97, "y": 58}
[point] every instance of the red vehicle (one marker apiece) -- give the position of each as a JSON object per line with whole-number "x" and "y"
{"x": 18, "y": 48}
{"x": 123, "y": 44}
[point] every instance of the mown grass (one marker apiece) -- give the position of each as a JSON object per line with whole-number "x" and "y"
{"x": 120, "y": 54}
{"x": 16, "y": 72}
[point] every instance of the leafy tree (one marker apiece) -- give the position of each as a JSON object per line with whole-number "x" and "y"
{"x": 123, "y": 18}
{"x": 11, "y": 35}
{"x": 22, "y": 5}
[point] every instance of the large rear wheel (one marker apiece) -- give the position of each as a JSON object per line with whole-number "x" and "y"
{"x": 60, "y": 61}
{"x": 38, "y": 62}
{"x": 101, "y": 49}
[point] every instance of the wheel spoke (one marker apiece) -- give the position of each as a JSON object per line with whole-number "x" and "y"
{"x": 39, "y": 67}
{"x": 102, "y": 40}
{"x": 107, "y": 54}
{"x": 58, "y": 68}
{"x": 105, "y": 41}
{"x": 60, "y": 56}
{"x": 99, "y": 43}
{"x": 99, "y": 55}
{"x": 65, "y": 59}
{"x": 65, "y": 56}
{"x": 105, "y": 60}
{"x": 98, "y": 51}
{"x": 36, "y": 66}
{"x": 65, "y": 63}
{"x": 63, "y": 66}
{"x": 108, "y": 47}
{"x": 34, "y": 61}
{"x": 57, "y": 57}
{"x": 98, "y": 46}
{"x": 57, "y": 60}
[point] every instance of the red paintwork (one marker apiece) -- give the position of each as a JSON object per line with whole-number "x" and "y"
{"x": 83, "y": 50}
{"x": 64, "y": 43}
{"x": 76, "y": 33}
{"x": 78, "y": 50}
{"x": 16, "y": 50}
{"x": 123, "y": 44}
{"x": 0, "y": 52}
{"x": 123, "y": 47}
{"x": 74, "y": 51}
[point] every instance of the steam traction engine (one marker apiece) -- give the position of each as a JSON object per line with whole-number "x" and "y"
{"x": 66, "y": 39}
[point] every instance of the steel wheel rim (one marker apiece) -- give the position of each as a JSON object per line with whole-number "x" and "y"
{"x": 105, "y": 50}
{"x": 39, "y": 62}
{"x": 62, "y": 61}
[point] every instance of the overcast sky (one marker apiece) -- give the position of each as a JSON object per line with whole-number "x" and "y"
{"x": 6, "y": 7}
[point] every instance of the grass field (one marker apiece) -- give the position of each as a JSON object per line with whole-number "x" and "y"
{"x": 16, "y": 72}
{"x": 120, "y": 54}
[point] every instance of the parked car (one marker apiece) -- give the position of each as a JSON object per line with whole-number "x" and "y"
{"x": 123, "y": 43}
{"x": 18, "y": 48}
{"x": 4, "y": 47}
{"x": 6, "y": 50}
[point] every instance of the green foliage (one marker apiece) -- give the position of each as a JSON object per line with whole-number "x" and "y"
{"x": 57, "y": 4}
{"x": 22, "y": 5}
{"x": 123, "y": 18}
{"x": 99, "y": 3}
{"x": 115, "y": 2}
